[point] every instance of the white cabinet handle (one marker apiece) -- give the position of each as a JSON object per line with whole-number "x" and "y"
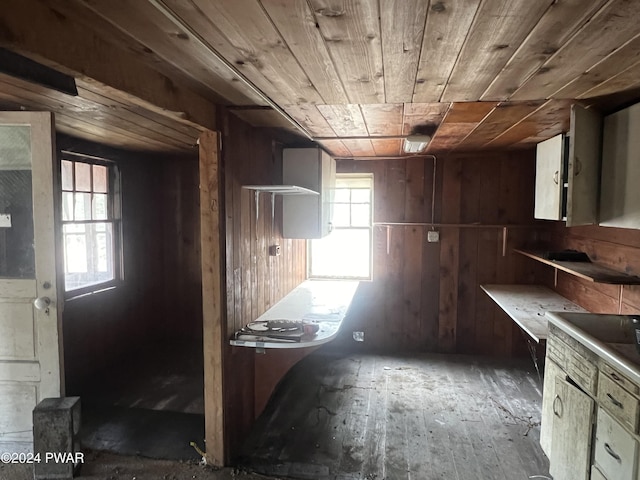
{"x": 557, "y": 399}
{"x": 610, "y": 451}
{"x": 614, "y": 401}
{"x": 556, "y": 176}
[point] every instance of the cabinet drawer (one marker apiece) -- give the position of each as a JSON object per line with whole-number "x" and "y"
{"x": 615, "y": 450}
{"x": 582, "y": 371}
{"x": 617, "y": 401}
{"x": 619, "y": 378}
{"x": 556, "y": 350}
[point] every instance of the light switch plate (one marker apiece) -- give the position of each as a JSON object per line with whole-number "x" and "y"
{"x": 5, "y": 220}
{"x": 433, "y": 236}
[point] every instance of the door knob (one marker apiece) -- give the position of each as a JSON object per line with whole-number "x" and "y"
{"x": 42, "y": 303}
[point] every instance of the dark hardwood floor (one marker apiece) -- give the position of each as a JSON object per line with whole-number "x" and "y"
{"x": 347, "y": 417}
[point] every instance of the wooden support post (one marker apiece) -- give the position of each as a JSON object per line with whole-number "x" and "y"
{"x": 212, "y": 313}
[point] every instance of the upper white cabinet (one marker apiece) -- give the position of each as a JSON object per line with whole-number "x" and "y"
{"x": 308, "y": 216}
{"x": 568, "y": 171}
{"x": 620, "y": 203}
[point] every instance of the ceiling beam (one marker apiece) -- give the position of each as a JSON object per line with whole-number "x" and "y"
{"x": 47, "y": 36}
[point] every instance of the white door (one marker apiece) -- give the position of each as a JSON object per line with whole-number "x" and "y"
{"x": 30, "y": 351}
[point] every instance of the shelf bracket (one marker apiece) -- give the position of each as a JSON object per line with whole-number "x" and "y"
{"x": 273, "y": 210}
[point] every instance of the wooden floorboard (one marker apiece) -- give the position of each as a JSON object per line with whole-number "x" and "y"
{"x": 362, "y": 417}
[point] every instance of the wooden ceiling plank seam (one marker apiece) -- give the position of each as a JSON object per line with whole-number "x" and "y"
{"x": 345, "y": 120}
{"x": 149, "y": 124}
{"x": 203, "y": 27}
{"x": 501, "y": 118}
{"x": 93, "y": 133}
{"x": 382, "y": 119}
{"x": 303, "y": 39}
{"x": 105, "y": 29}
{"x": 544, "y": 40}
{"x": 444, "y": 119}
{"x": 423, "y": 117}
{"x": 336, "y": 148}
{"x": 389, "y": 147}
{"x": 595, "y": 41}
{"x": 165, "y": 122}
{"x": 447, "y": 26}
{"x": 259, "y": 44}
{"x": 58, "y": 103}
{"x": 498, "y": 30}
{"x": 516, "y": 125}
{"x": 91, "y": 128}
{"x": 161, "y": 5}
{"x": 146, "y": 24}
{"x": 352, "y": 34}
{"x": 477, "y": 125}
{"x": 359, "y": 148}
{"x": 312, "y": 118}
{"x": 620, "y": 60}
{"x": 76, "y": 50}
{"x": 627, "y": 79}
{"x": 402, "y": 24}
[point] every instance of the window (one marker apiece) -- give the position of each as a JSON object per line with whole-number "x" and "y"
{"x": 91, "y": 226}
{"x": 346, "y": 251}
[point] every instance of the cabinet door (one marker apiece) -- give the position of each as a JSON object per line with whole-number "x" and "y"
{"x": 551, "y": 372}
{"x": 328, "y": 172}
{"x": 549, "y": 165}
{"x": 585, "y": 148}
{"x": 571, "y": 434}
{"x": 620, "y": 195}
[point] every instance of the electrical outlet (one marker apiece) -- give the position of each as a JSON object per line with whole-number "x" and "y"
{"x": 274, "y": 250}
{"x": 433, "y": 236}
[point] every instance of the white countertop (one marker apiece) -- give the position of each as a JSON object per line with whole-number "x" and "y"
{"x": 324, "y": 302}
{"x": 527, "y": 305}
{"x": 604, "y": 335}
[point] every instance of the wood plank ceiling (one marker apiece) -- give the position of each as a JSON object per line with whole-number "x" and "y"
{"x": 358, "y": 75}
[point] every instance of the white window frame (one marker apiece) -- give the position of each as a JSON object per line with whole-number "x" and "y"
{"x": 353, "y": 179}
{"x": 113, "y": 217}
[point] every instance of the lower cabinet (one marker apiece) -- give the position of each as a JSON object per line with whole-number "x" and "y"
{"x": 590, "y": 416}
{"x": 571, "y": 432}
{"x": 615, "y": 450}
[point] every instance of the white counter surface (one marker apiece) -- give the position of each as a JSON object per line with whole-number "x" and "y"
{"x": 324, "y": 302}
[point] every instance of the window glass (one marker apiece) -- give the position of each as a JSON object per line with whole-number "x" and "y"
{"x": 83, "y": 177}
{"x": 100, "y": 179}
{"x": 67, "y": 175}
{"x": 346, "y": 252}
{"x": 91, "y": 225}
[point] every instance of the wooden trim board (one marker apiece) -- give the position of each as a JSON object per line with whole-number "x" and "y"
{"x": 212, "y": 298}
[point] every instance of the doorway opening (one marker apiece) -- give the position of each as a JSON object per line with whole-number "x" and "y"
{"x": 133, "y": 345}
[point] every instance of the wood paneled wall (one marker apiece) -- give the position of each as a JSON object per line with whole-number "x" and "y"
{"x": 616, "y": 248}
{"x": 255, "y": 281}
{"x": 427, "y": 296}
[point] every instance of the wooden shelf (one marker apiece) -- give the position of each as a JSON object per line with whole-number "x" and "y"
{"x": 527, "y": 305}
{"x": 281, "y": 189}
{"x": 586, "y": 270}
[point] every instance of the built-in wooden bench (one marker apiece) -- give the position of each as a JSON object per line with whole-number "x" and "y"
{"x": 527, "y": 305}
